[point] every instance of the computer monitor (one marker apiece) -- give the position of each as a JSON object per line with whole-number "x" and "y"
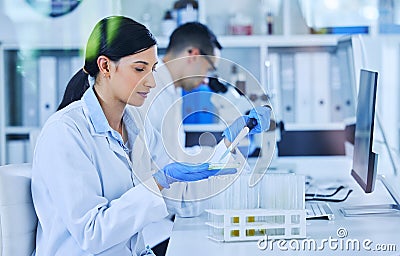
{"x": 364, "y": 169}
{"x": 364, "y": 160}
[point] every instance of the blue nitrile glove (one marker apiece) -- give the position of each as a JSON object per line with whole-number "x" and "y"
{"x": 175, "y": 172}
{"x": 261, "y": 114}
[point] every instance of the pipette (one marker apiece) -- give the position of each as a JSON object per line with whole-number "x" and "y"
{"x": 250, "y": 124}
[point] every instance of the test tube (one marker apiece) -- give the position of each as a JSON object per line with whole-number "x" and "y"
{"x": 217, "y": 197}
{"x": 282, "y": 191}
{"x": 253, "y": 195}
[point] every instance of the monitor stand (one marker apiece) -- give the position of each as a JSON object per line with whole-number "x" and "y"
{"x": 378, "y": 210}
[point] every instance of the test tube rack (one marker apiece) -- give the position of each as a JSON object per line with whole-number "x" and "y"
{"x": 255, "y": 224}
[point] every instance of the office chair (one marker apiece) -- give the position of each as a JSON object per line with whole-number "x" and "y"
{"x": 33, "y": 136}
{"x": 18, "y": 219}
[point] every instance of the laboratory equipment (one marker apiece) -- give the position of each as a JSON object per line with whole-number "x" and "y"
{"x": 227, "y": 98}
{"x": 257, "y": 120}
{"x": 214, "y": 166}
{"x": 274, "y": 207}
{"x": 255, "y": 224}
{"x": 235, "y": 92}
{"x": 168, "y": 24}
{"x": 240, "y": 24}
{"x": 270, "y": 23}
{"x": 234, "y": 143}
{"x": 282, "y": 191}
{"x": 185, "y": 11}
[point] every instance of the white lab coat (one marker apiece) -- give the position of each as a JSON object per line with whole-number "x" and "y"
{"x": 85, "y": 193}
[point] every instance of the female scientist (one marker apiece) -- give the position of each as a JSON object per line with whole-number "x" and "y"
{"x": 86, "y": 196}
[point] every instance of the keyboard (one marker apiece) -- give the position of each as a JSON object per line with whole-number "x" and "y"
{"x": 318, "y": 210}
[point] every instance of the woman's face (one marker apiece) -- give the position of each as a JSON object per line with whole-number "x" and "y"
{"x": 133, "y": 77}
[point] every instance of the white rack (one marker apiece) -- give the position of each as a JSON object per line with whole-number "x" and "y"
{"x": 254, "y": 224}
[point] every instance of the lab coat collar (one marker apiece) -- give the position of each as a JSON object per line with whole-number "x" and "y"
{"x": 95, "y": 112}
{"x": 131, "y": 129}
{"x": 100, "y": 123}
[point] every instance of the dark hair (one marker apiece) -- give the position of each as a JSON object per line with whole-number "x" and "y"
{"x": 193, "y": 34}
{"x": 114, "y": 37}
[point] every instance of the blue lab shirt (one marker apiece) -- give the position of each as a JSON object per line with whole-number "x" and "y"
{"x": 86, "y": 197}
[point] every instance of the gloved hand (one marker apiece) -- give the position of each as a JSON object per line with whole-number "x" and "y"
{"x": 175, "y": 172}
{"x": 262, "y": 114}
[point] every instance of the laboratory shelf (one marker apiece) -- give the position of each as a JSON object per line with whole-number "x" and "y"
{"x": 269, "y": 40}
{"x": 218, "y": 127}
{"x": 20, "y": 130}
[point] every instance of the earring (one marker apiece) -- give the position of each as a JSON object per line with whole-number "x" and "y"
{"x": 106, "y": 69}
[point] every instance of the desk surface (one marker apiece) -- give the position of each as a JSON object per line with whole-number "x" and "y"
{"x": 189, "y": 236}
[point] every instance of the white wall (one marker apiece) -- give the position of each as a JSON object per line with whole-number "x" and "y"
{"x": 34, "y": 29}
{"x": 220, "y": 11}
{"x": 382, "y": 54}
{"x": 7, "y": 30}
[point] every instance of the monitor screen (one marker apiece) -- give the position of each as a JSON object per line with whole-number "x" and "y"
{"x": 364, "y": 160}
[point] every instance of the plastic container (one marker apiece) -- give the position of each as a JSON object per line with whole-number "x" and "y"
{"x": 168, "y": 24}
{"x": 185, "y": 11}
{"x": 240, "y": 25}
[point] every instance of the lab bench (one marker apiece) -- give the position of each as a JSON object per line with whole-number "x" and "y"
{"x": 375, "y": 235}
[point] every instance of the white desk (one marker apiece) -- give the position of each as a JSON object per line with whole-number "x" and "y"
{"x": 189, "y": 236}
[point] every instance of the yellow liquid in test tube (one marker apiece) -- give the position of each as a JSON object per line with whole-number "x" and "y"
{"x": 250, "y": 232}
{"x": 234, "y": 233}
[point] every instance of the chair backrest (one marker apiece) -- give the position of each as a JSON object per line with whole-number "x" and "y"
{"x": 18, "y": 220}
{"x": 33, "y": 136}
